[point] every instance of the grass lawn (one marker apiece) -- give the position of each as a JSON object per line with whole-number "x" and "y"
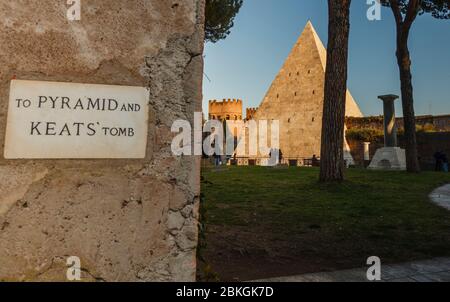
{"x": 264, "y": 222}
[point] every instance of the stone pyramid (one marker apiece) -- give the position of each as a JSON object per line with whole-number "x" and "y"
{"x": 295, "y": 98}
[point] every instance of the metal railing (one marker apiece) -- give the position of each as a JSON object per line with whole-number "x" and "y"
{"x": 263, "y": 161}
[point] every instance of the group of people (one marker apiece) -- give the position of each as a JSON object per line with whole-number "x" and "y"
{"x": 441, "y": 161}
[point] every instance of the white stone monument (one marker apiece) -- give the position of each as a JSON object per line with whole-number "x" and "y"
{"x": 366, "y": 151}
{"x": 390, "y": 157}
{"x": 348, "y": 158}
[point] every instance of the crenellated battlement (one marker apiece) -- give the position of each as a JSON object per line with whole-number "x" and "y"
{"x": 250, "y": 113}
{"x": 226, "y": 101}
{"x": 230, "y": 109}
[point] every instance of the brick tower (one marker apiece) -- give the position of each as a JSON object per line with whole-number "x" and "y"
{"x": 230, "y": 109}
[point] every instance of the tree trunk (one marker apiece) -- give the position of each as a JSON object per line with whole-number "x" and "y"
{"x": 404, "y": 63}
{"x": 332, "y": 147}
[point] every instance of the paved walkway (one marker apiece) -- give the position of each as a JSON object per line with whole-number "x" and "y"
{"x": 441, "y": 196}
{"x": 436, "y": 270}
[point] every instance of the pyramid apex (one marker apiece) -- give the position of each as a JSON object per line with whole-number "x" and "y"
{"x": 310, "y": 26}
{"x": 308, "y": 32}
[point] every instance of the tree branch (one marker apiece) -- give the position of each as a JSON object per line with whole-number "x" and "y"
{"x": 411, "y": 14}
{"x": 397, "y": 13}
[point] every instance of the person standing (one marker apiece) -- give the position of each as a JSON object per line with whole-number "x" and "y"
{"x": 216, "y": 160}
{"x": 444, "y": 163}
{"x": 438, "y": 158}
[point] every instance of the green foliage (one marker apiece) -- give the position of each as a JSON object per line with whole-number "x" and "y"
{"x": 372, "y": 135}
{"x": 365, "y": 120}
{"x": 364, "y": 134}
{"x": 427, "y": 128}
{"x": 220, "y": 16}
{"x": 439, "y": 9}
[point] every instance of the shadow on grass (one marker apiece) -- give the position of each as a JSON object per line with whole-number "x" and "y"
{"x": 264, "y": 222}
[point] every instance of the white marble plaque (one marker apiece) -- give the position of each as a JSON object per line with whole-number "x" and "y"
{"x": 51, "y": 120}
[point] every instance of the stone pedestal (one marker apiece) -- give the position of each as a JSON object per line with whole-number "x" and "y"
{"x": 389, "y": 158}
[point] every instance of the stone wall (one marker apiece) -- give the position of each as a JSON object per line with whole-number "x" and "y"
{"x": 127, "y": 220}
{"x": 440, "y": 123}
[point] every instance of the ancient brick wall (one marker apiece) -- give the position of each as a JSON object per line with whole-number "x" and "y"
{"x": 436, "y": 123}
{"x": 126, "y": 220}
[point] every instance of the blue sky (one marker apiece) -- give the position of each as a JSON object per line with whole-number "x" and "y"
{"x": 244, "y": 65}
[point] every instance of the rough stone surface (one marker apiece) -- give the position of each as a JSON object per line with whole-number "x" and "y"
{"x": 117, "y": 216}
{"x": 295, "y": 98}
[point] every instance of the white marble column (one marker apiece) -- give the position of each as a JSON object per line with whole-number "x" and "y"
{"x": 366, "y": 151}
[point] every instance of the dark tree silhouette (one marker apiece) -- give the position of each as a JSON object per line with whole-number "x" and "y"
{"x": 219, "y": 18}
{"x": 405, "y": 12}
{"x": 332, "y": 146}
